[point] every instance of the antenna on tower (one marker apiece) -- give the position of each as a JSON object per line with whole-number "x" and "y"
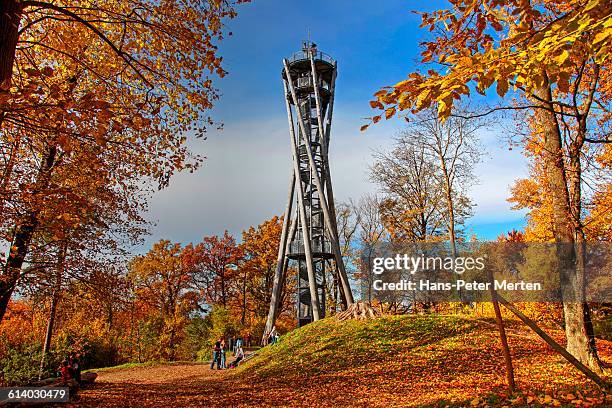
{"x": 306, "y": 44}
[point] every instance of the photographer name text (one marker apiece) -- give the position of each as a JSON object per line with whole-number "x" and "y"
{"x": 427, "y": 285}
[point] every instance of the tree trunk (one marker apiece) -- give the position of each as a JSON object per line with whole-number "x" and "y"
{"x": 57, "y": 292}
{"x": 24, "y": 231}
{"x": 244, "y": 301}
{"x": 49, "y": 333}
{"x": 223, "y": 297}
{"x": 448, "y": 190}
{"x": 575, "y": 309}
{"x": 342, "y": 297}
{"x": 8, "y": 170}
{"x": 575, "y": 196}
{"x": 502, "y": 336}
{"x": 10, "y": 17}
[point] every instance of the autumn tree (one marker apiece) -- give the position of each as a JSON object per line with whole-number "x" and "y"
{"x": 163, "y": 282}
{"x": 216, "y": 265}
{"x": 551, "y": 57}
{"x": 412, "y": 208}
{"x": 534, "y": 194}
{"x": 260, "y": 246}
{"x": 61, "y": 258}
{"x": 104, "y": 95}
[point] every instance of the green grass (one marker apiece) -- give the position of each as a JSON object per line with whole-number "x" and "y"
{"x": 329, "y": 345}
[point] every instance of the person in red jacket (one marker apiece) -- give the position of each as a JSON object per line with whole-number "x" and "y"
{"x": 66, "y": 372}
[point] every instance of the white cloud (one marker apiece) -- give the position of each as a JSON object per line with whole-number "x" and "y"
{"x": 245, "y": 176}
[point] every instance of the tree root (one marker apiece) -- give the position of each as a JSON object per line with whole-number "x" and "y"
{"x": 358, "y": 311}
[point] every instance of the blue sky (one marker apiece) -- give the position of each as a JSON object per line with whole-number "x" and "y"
{"x": 244, "y": 179}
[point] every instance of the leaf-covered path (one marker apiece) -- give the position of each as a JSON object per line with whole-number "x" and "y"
{"x": 389, "y": 362}
{"x": 160, "y": 385}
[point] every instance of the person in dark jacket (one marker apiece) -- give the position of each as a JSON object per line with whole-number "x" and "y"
{"x": 216, "y": 355}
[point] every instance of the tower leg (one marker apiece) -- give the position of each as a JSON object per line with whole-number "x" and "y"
{"x": 283, "y": 276}
{"x": 312, "y": 283}
{"x": 277, "y": 286}
{"x": 347, "y": 295}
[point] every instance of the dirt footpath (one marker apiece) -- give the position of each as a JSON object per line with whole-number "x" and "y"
{"x": 159, "y": 386}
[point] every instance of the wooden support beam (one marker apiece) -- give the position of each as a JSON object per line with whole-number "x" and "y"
{"x": 328, "y": 179}
{"x": 554, "y": 345}
{"x": 330, "y": 108}
{"x": 312, "y": 283}
{"x": 502, "y": 335}
{"x": 317, "y": 179}
{"x": 283, "y": 278}
{"x": 277, "y": 285}
{"x": 323, "y": 139}
{"x": 291, "y": 235}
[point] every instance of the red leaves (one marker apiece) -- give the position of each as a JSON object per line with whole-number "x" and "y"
{"x": 502, "y": 87}
{"x": 376, "y": 104}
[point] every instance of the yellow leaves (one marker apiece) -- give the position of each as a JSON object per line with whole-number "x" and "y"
{"x": 422, "y": 98}
{"x": 443, "y": 110}
{"x": 520, "y": 80}
{"x": 561, "y": 58}
{"x": 603, "y": 35}
{"x": 524, "y": 45}
{"x": 592, "y": 4}
{"x": 548, "y": 400}
{"x": 389, "y": 112}
{"x": 403, "y": 102}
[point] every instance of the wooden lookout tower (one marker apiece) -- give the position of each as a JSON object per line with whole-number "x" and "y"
{"x": 310, "y": 234}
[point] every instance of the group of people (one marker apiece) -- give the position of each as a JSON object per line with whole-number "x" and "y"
{"x": 70, "y": 369}
{"x": 220, "y": 350}
{"x": 235, "y": 344}
{"x": 236, "y": 341}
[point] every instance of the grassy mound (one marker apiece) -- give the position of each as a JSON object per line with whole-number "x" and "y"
{"x": 415, "y": 360}
{"x": 329, "y": 345}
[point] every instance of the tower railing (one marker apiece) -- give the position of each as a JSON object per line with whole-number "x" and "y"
{"x": 305, "y": 55}
{"x": 296, "y": 247}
